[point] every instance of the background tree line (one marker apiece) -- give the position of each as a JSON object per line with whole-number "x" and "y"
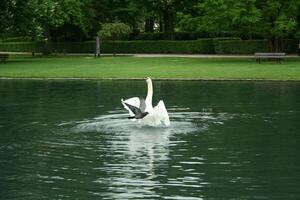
{"x": 80, "y": 20}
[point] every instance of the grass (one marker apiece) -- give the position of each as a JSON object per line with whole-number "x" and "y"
{"x": 134, "y": 67}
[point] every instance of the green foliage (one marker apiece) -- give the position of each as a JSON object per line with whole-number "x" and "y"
{"x": 198, "y": 46}
{"x": 201, "y": 46}
{"x": 177, "y": 36}
{"x": 65, "y": 47}
{"x": 16, "y": 39}
{"x": 278, "y": 18}
{"x": 164, "y": 46}
{"x": 6, "y": 19}
{"x": 114, "y": 31}
{"x": 149, "y": 36}
{"x": 252, "y": 46}
{"x": 297, "y": 35}
{"x": 241, "y": 46}
{"x": 37, "y": 18}
{"x": 247, "y": 18}
{"x": 79, "y": 20}
{"x": 21, "y": 47}
{"x": 218, "y": 16}
{"x": 289, "y": 45}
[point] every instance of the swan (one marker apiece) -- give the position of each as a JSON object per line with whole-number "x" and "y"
{"x": 142, "y": 111}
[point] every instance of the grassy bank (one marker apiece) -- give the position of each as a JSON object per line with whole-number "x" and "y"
{"x": 133, "y": 67}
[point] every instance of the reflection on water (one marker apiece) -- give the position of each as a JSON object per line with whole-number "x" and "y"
{"x": 72, "y": 140}
{"x": 146, "y": 149}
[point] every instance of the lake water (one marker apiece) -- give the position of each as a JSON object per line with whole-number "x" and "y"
{"x": 72, "y": 140}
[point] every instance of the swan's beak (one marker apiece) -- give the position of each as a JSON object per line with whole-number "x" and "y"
{"x": 145, "y": 78}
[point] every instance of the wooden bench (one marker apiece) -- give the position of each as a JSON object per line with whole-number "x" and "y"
{"x": 275, "y": 56}
{"x": 3, "y": 57}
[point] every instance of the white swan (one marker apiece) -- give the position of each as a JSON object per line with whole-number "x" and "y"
{"x": 142, "y": 111}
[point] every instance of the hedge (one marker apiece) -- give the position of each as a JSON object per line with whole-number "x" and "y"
{"x": 198, "y": 46}
{"x": 16, "y": 39}
{"x": 21, "y": 46}
{"x": 289, "y": 46}
{"x": 177, "y": 36}
{"x": 201, "y": 46}
{"x": 66, "y": 47}
{"x": 163, "y": 46}
{"x": 252, "y": 46}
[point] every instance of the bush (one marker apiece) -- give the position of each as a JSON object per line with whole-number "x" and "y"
{"x": 219, "y": 39}
{"x": 149, "y": 36}
{"x": 163, "y": 46}
{"x": 114, "y": 31}
{"x": 177, "y": 36}
{"x": 21, "y": 47}
{"x": 203, "y": 46}
{"x": 16, "y": 39}
{"x": 65, "y": 47}
{"x": 241, "y": 46}
{"x": 252, "y": 46}
{"x": 289, "y": 46}
{"x": 73, "y": 47}
{"x": 197, "y": 46}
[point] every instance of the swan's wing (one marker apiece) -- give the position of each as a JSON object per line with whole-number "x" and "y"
{"x": 135, "y": 110}
{"x": 134, "y": 101}
{"x": 133, "y": 104}
{"x": 142, "y": 104}
{"x": 162, "y": 113}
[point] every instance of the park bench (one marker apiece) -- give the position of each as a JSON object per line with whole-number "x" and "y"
{"x": 274, "y": 56}
{"x": 3, "y": 57}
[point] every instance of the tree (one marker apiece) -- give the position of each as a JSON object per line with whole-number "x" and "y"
{"x": 76, "y": 20}
{"x": 164, "y": 12}
{"x": 114, "y": 31}
{"x": 6, "y": 17}
{"x": 54, "y": 14}
{"x": 218, "y": 17}
{"x": 279, "y": 20}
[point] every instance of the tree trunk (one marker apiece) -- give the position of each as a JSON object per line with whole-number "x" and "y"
{"x": 168, "y": 23}
{"x": 114, "y": 48}
{"x": 161, "y": 25}
{"x": 46, "y": 49}
{"x": 149, "y": 25}
{"x": 273, "y": 45}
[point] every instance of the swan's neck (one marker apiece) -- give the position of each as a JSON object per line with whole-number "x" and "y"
{"x": 149, "y": 94}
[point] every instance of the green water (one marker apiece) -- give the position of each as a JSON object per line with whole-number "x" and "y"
{"x": 72, "y": 140}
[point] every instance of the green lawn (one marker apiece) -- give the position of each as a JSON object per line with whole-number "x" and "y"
{"x": 133, "y": 67}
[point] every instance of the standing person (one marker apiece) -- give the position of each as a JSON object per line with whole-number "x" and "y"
{"x": 97, "y": 52}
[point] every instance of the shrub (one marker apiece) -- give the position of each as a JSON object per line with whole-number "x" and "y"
{"x": 114, "y": 31}
{"x": 65, "y": 47}
{"x": 73, "y": 47}
{"x": 177, "y": 36}
{"x": 289, "y": 46}
{"x": 21, "y": 46}
{"x": 163, "y": 46}
{"x": 241, "y": 46}
{"x": 252, "y": 46}
{"x": 149, "y": 36}
{"x": 17, "y": 39}
{"x": 203, "y": 46}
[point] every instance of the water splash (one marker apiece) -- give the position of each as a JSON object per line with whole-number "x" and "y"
{"x": 136, "y": 152}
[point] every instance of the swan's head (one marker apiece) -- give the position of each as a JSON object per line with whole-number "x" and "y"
{"x": 148, "y": 79}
